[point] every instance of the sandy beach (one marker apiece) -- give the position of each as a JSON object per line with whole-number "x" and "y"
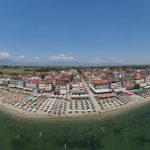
{"x": 17, "y": 112}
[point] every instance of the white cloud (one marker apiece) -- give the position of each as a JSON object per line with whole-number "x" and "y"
{"x": 62, "y": 57}
{"x": 21, "y": 57}
{"x": 36, "y": 58}
{"x": 4, "y": 55}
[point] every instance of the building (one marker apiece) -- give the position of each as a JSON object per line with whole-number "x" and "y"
{"x": 115, "y": 84}
{"x": 50, "y": 85}
{"x": 33, "y": 84}
{"x": 78, "y": 91}
{"x": 127, "y": 82}
{"x": 1, "y": 81}
{"x": 21, "y": 83}
{"x": 100, "y": 86}
{"x": 139, "y": 80}
{"x": 41, "y": 86}
{"x": 17, "y": 82}
{"x": 4, "y": 82}
{"x": 46, "y": 85}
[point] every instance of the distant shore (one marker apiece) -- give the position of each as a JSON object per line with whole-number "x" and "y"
{"x": 16, "y": 112}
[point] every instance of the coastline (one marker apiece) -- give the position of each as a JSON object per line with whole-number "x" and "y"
{"x": 16, "y": 112}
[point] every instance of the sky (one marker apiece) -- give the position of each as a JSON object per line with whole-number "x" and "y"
{"x": 89, "y": 31}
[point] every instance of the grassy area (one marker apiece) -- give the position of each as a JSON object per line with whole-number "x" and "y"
{"x": 128, "y": 131}
{"x": 17, "y": 70}
{"x": 28, "y": 70}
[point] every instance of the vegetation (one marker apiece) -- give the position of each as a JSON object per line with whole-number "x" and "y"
{"x": 35, "y": 69}
{"x": 137, "y": 86}
{"x": 15, "y": 71}
{"x": 28, "y": 70}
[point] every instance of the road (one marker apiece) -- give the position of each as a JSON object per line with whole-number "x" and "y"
{"x": 91, "y": 95}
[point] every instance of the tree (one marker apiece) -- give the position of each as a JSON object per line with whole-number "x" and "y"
{"x": 137, "y": 86}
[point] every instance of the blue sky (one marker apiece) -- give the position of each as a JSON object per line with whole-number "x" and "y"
{"x": 92, "y": 31}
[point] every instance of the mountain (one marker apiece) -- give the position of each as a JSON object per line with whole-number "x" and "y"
{"x": 10, "y": 62}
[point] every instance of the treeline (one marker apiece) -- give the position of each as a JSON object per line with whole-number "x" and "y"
{"x": 45, "y": 69}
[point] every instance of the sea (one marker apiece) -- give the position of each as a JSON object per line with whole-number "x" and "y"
{"x": 129, "y": 130}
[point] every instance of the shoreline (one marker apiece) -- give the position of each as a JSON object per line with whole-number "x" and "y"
{"x": 16, "y": 112}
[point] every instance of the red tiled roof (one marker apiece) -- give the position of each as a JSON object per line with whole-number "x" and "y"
{"x": 51, "y": 81}
{"x": 42, "y": 82}
{"x": 48, "y": 81}
{"x": 137, "y": 78}
{"x": 100, "y": 81}
{"x": 17, "y": 78}
{"x": 35, "y": 81}
{"x": 66, "y": 78}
